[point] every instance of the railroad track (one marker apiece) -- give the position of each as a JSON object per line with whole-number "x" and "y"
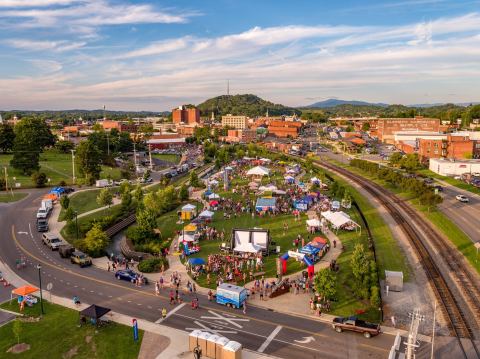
{"x": 459, "y": 322}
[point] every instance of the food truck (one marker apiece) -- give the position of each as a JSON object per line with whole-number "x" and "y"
{"x": 231, "y": 295}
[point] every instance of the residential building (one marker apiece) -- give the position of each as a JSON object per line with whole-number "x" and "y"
{"x": 236, "y": 122}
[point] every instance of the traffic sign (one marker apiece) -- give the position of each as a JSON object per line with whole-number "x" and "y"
{"x": 49, "y": 286}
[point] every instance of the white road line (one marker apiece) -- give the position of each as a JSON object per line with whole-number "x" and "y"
{"x": 177, "y": 308}
{"x": 269, "y": 339}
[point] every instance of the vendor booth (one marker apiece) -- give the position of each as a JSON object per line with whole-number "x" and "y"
{"x": 258, "y": 171}
{"x": 266, "y": 204}
{"x": 289, "y": 179}
{"x": 340, "y": 220}
{"x": 208, "y": 215}
{"x": 188, "y": 212}
{"x": 93, "y": 313}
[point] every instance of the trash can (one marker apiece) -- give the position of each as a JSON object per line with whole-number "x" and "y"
{"x": 232, "y": 350}
{"x": 211, "y": 346}
{"x": 193, "y": 339}
{"x": 219, "y": 343}
{"x": 202, "y": 341}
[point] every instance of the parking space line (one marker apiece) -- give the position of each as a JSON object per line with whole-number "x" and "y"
{"x": 269, "y": 339}
{"x": 177, "y": 308}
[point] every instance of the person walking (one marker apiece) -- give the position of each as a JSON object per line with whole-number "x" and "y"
{"x": 108, "y": 266}
{"x": 245, "y": 308}
{"x": 157, "y": 288}
{"x": 164, "y": 313}
{"x": 172, "y": 298}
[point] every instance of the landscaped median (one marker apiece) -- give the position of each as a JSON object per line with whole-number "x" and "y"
{"x": 57, "y": 334}
{"x": 7, "y": 197}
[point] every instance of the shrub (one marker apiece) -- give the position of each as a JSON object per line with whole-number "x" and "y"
{"x": 375, "y": 296}
{"x": 151, "y": 265}
{"x": 40, "y": 179}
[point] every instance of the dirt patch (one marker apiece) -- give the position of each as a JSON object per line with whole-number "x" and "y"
{"x": 88, "y": 339}
{"x": 29, "y": 319}
{"x": 71, "y": 353}
{"x": 19, "y": 348}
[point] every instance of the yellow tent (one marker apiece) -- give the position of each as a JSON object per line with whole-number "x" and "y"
{"x": 190, "y": 228}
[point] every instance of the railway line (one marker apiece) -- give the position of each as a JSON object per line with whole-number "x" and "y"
{"x": 462, "y": 319}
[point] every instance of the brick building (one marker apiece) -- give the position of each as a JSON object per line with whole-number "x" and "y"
{"x": 386, "y": 127}
{"x": 185, "y": 115}
{"x": 453, "y": 147}
{"x": 284, "y": 128}
{"x": 240, "y": 136}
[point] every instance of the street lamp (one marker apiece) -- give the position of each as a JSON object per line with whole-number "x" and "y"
{"x": 76, "y": 222}
{"x": 39, "y": 267}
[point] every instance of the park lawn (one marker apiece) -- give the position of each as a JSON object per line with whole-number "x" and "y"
{"x": 272, "y": 223}
{"x": 57, "y": 167}
{"x": 174, "y": 159}
{"x": 83, "y": 201}
{"x": 57, "y": 333}
{"x": 8, "y": 197}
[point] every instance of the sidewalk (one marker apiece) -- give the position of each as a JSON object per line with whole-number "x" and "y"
{"x": 165, "y": 341}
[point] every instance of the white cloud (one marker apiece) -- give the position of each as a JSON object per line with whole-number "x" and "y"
{"x": 35, "y": 3}
{"x": 160, "y": 47}
{"x": 47, "y": 66}
{"x": 33, "y": 45}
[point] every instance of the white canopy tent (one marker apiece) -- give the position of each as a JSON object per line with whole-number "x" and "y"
{"x": 314, "y": 222}
{"x": 213, "y": 196}
{"x": 339, "y": 219}
{"x": 269, "y": 187}
{"x": 206, "y": 214}
{"x": 258, "y": 171}
{"x": 184, "y": 237}
{"x": 214, "y": 182}
{"x": 189, "y": 207}
{"x": 265, "y": 160}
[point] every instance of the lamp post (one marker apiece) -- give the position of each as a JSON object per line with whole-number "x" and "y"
{"x": 39, "y": 267}
{"x": 76, "y": 223}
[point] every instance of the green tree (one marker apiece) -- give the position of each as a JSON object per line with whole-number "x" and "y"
{"x": 194, "y": 180}
{"x": 96, "y": 240}
{"x": 360, "y": 264}
{"x": 395, "y": 158}
{"x": 65, "y": 202}
{"x": 7, "y": 137}
{"x": 366, "y": 126}
{"x": 326, "y": 283}
{"x": 410, "y": 162}
{"x": 138, "y": 193}
{"x": 126, "y": 201}
{"x": 88, "y": 158}
{"x": 183, "y": 194}
{"x": 64, "y": 146}
{"x": 105, "y": 198}
{"x": 40, "y": 179}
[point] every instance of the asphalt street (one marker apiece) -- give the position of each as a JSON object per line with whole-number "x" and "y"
{"x": 260, "y": 329}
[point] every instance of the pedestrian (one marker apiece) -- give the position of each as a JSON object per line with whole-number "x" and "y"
{"x": 157, "y": 288}
{"x": 164, "y": 313}
{"x": 244, "y": 307}
{"x": 334, "y": 243}
{"x": 194, "y": 288}
{"x": 108, "y": 266}
{"x": 393, "y": 321}
{"x": 114, "y": 266}
{"x": 261, "y": 294}
{"x": 161, "y": 282}
{"x": 172, "y": 298}
{"x": 210, "y": 295}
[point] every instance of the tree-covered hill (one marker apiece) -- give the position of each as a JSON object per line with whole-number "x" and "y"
{"x": 249, "y": 105}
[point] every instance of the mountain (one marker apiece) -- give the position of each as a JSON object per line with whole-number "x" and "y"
{"x": 332, "y": 102}
{"x": 427, "y": 105}
{"x": 247, "y": 104}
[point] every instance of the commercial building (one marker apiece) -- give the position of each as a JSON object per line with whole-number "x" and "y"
{"x": 236, "y": 122}
{"x": 186, "y": 115}
{"x": 239, "y": 136}
{"x": 447, "y": 167}
{"x": 281, "y": 128}
{"x": 387, "y": 127}
{"x": 166, "y": 141}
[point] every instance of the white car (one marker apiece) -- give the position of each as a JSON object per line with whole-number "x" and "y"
{"x": 462, "y": 198}
{"x": 42, "y": 213}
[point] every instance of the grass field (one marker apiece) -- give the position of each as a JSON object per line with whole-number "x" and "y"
{"x": 8, "y": 198}
{"x": 57, "y": 333}
{"x": 173, "y": 159}
{"x": 83, "y": 202}
{"x": 57, "y": 167}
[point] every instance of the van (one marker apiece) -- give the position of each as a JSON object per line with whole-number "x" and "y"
{"x": 43, "y": 213}
{"x": 47, "y": 203}
{"x": 51, "y": 241}
{"x": 42, "y": 225}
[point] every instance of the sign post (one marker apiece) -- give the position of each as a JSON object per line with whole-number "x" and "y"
{"x": 135, "y": 329}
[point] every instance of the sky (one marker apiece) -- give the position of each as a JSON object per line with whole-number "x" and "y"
{"x": 154, "y": 55}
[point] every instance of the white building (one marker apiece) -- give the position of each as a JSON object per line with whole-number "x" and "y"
{"x": 447, "y": 167}
{"x": 405, "y": 136}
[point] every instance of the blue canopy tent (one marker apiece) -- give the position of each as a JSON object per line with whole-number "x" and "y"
{"x": 300, "y": 204}
{"x": 265, "y": 204}
{"x": 207, "y": 193}
{"x": 196, "y": 261}
{"x": 309, "y": 249}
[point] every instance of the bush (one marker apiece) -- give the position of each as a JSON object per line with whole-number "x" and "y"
{"x": 40, "y": 179}
{"x": 375, "y": 297}
{"x": 152, "y": 265}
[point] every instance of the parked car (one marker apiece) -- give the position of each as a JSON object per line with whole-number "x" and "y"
{"x": 51, "y": 241}
{"x": 42, "y": 225}
{"x": 128, "y": 275}
{"x": 69, "y": 189}
{"x": 355, "y": 325}
{"x": 80, "y": 258}
{"x": 462, "y": 198}
{"x": 43, "y": 213}
{"x": 65, "y": 250}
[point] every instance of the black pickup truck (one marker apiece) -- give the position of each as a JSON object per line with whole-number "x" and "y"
{"x": 356, "y": 325}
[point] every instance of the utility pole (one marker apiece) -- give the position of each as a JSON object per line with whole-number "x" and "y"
{"x": 150, "y": 156}
{"x": 73, "y": 167}
{"x": 412, "y": 334}
{"x": 135, "y": 157}
{"x": 433, "y": 330}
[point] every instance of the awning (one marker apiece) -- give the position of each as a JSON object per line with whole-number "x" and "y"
{"x": 94, "y": 311}
{"x": 25, "y": 290}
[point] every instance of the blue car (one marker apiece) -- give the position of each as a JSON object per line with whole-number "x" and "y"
{"x": 128, "y": 275}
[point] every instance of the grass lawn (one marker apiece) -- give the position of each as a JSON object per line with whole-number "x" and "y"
{"x": 173, "y": 159}
{"x": 450, "y": 180}
{"x": 83, "y": 201}
{"x": 57, "y": 167}
{"x": 8, "y": 198}
{"x": 57, "y": 333}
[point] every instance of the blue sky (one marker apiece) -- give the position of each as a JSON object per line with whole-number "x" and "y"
{"x": 155, "y": 55}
